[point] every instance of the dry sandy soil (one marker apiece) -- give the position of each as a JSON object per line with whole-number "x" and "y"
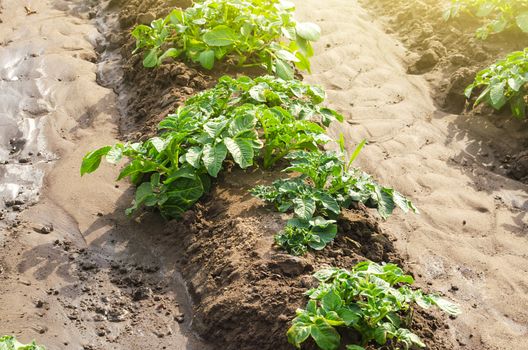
{"x": 101, "y": 281}
{"x": 470, "y": 240}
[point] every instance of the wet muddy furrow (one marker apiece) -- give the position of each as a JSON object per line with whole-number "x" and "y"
{"x": 76, "y": 273}
{"x": 470, "y": 239}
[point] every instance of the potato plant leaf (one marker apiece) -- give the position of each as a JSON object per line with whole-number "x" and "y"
{"x": 221, "y": 35}
{"x": 206, "y": 59}
{"x": 92, "y": 160}
{"x": 213, "y": 157}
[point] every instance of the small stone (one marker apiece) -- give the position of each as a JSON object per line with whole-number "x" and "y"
{"x": 46, "y": 229}
{"x": 179, "y": 318}
{"x": 141, "y": 293}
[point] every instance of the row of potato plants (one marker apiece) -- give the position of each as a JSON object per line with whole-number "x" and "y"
{"x": 505, "y": 82}
{"x": 268, "y": 121}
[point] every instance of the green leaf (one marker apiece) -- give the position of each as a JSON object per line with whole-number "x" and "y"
{"x": 115, "y": 154}
{"x": 10, "y": 343}
{"x": 151, "y": 59}
{"x": 357, "y": 151}
{"x": 257, "y": 93}
{"x": 325, "y": 336}
{"x": 349, "y": 315}
{"x": 206, "y": 59}
{"x": 158, "y": 143}
{"x": 304, "y": 208}
{"x": 522, "y": 21}
{"x": 308, "y": 31}
{"x": 213, "y": 157}
{"x": 181, "y": 195}
{"x": 144, "y": 194}
{"x": 515, "y": 84}
{"x": 328, "y": 202}
{"x": 354, "y": 347}
{"x": 286, "y": 56}
{"x": 241, "y": 150}
{"x": 469, "y": 91}
{"x": 331, "y": 301}
{"x": 316, "y": 243}
{"x": 172, "y": 52}
{"x": 298, "y": 333}
{"x": 324, "y": 275}
{"x": 220, "y": 36}
{"x": 177, "y": 16}
{"x": 446, "y": 305}
{"x": 485, "y": 9}
{"x": 518, "y": 107}
{"x": 497, "y": 98}
{"x": 214, "y": 128}
{"x": 283, "y": 70}
{"x": 242, "y": 124}
{"x": 380, "y": 335}
{"x": 92, "y": 160}
{"x": 193, "y": 156}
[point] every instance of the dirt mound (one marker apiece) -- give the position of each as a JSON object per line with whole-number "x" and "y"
{"x": 146, "y": 95}
{"x": 246, "y": 291}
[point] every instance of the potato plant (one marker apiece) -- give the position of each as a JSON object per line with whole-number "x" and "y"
{"x": 299, "y": 234}
{"x": 504, "y": 83}
{"x": 246, "y": 33}
{"x": 10, "y": 343}
{"x": 239, "y": 120}
{"x": 372, "y": 303}
{"x": 326, "y": 184}
{"x": 499, "y": 14}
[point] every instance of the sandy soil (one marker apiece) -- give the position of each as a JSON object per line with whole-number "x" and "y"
{"x": 448, "y": 55}
{"x": 92, "y": 282}
{"x": 470, "y": 240}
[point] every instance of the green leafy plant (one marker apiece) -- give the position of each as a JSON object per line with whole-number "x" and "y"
{"x": 504, "y": 82}
{"x": 501, "y": 14}
{"x": 242, "y": 32}
{"x": 300, "y": 234}
{"x": 327, "y": 184}
{"x": 372, "y": 303}
{"x": 10, "y": 343}
{"x": 239, "y": 120}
